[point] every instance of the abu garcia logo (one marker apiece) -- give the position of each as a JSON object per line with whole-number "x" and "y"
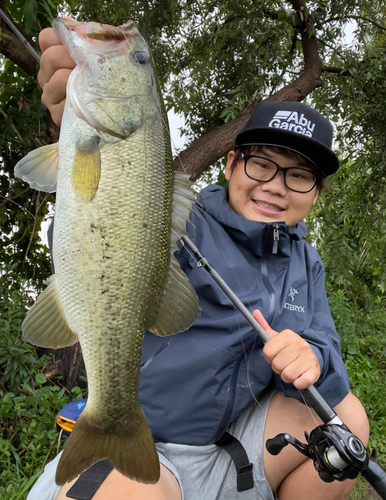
{"x": 290, "y": 120}
{"x": 292, "y": 307}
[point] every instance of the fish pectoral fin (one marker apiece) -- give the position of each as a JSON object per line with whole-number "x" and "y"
{"x": 179, "y": 305}
{"x": 40, "y": 168}
{"x": 130, "y": 448}
{"x": 45, "y": 324}
{"x": 86, "y": 168}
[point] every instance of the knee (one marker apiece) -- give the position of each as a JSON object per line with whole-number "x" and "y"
{"x": 351, "y": 411}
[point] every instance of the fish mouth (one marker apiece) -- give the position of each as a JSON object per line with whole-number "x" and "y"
{"x": 105, "y": 32}
{"x": 100, "y": 32}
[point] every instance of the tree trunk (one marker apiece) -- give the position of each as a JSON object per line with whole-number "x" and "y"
{"x": 67, "y": 362}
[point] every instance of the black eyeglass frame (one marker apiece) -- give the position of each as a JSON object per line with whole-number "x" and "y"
{"x": 279, "y": 169}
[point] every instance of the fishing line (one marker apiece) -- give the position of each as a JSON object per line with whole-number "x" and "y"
{"x": 255, "y": 339}
{"x": 313, "y": 397}
{"x": 247, "y": 356}
{"x": 310, "y": 411}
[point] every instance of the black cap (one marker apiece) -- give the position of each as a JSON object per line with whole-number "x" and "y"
{"x": 292, "y": 125}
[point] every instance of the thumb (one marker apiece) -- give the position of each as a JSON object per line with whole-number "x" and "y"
{"x": 262, "y": 322}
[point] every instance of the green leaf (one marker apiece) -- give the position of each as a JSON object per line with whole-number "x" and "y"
{"x": 40, "y": 378}
{"x": 30, "y": 15}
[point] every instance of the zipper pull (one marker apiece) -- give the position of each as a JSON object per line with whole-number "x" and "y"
{"x": 275, "y": 238}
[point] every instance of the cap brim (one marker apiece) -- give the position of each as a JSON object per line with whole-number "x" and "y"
{"x": 321, "y": 156}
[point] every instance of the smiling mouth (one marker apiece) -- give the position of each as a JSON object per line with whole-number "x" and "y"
{"x": 267, "y": 205}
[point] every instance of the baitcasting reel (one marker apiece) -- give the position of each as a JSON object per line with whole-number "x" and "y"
{"x": 336, "y": 452}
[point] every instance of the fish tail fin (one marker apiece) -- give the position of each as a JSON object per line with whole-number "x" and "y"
{"x": 132, "y": 452}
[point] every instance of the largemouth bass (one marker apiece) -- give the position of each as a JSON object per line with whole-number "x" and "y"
{"x": 119, "y": 212}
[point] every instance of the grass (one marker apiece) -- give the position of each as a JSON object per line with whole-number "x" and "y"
{"x": 363, "y": 491}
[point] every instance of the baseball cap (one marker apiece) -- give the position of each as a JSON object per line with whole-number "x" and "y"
{"x": 292, "y": 125}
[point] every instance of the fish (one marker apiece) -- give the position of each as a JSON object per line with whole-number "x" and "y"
{"x": 119, "y": 212}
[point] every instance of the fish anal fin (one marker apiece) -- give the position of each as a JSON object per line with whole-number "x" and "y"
{"x": 45, "y": 324}
{"x": 40, "y": 168}
{"x": 132, "y": 451}
{"x": 86, "y": 168}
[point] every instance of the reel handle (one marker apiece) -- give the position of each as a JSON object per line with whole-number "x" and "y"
{"x": 276, "y": 444}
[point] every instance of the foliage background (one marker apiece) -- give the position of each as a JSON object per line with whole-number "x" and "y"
{"x": 216, "y": 61}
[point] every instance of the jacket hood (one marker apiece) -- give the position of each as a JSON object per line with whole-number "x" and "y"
{"x": 255, "y": 236}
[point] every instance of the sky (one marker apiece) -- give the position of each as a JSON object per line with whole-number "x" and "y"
{"x": 175, "y": 122}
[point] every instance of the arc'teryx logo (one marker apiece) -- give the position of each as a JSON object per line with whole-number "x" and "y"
{"x": 290, "y": 120}
{"x": 292, "y": 293}
{"x": 292, "y": 307}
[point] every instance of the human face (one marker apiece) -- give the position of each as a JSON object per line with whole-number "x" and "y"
{"x": 268, "y": 201}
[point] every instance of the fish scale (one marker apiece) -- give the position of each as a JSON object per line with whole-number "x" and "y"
{"x": 119, "y": 211}
{"x": 109, "y": 295}
{"x": 113, "y": 229}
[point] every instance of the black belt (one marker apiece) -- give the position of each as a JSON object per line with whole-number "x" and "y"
{"x": 90, "y": 480}
{"x": 240, "y": 458}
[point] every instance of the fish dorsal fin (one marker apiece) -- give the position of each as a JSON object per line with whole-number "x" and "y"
{"x": 179, "y": 306}
{"x": 86, "y": 168}
{"x": 40, "y": 168}
{"x": 45, "y": 324}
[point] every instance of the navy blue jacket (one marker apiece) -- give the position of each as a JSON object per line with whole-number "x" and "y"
{"x": 193, "y": 385}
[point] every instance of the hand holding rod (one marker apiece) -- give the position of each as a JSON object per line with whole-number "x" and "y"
{"x": 335, "y": 467}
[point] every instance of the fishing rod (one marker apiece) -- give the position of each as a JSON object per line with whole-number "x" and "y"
{"x": 17, "y": 32}
{"x": 336, "y": 452}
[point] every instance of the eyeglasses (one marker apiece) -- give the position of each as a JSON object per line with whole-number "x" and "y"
{"x": 262, "y": 169}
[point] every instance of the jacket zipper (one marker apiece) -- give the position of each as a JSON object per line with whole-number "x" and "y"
{"x": 268, "y": 286}
{"x": 264, "y": 272}
{"x": 275, "y": 238}
{"x": 231, "y": 400}
{"x": 158, "y": 351}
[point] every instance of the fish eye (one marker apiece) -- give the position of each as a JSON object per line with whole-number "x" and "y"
{"x": 141, "y": 57}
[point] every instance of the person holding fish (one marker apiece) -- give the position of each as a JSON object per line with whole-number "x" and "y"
{"x": 217, "y": 378}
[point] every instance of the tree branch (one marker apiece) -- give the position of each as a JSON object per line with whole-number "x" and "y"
{"x": 362, "y": 18}
{"x": 14, "y": 49}
{"x": 12, "y": 125}
{"x": 209, "y": 148}
{"x": 334, "y": 69}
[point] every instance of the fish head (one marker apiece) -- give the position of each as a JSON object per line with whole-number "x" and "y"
{"x": 113, "y": 87}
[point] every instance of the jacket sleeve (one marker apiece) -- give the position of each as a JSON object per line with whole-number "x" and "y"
{"x": 321, "y": 334}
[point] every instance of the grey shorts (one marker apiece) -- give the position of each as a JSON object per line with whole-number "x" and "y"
{"x": 201, "y": 471}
